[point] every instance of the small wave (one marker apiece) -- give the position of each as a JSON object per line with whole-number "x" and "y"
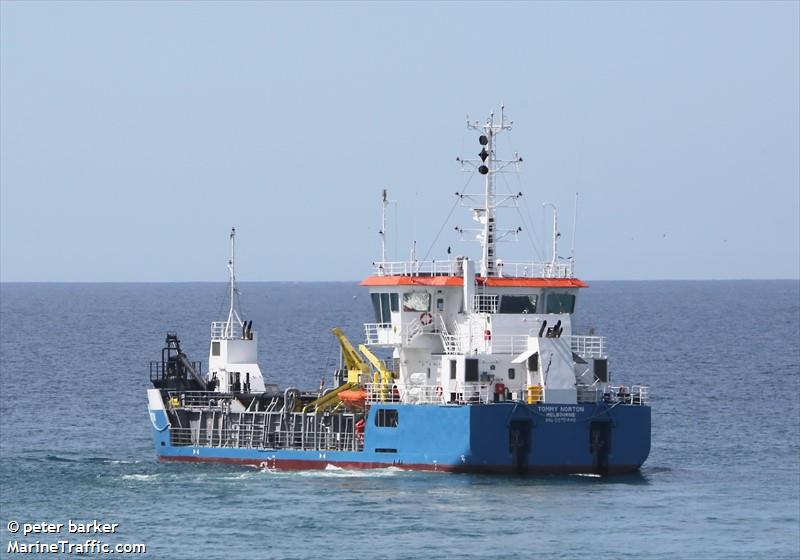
{"x": 334, "y": 471}
{"x": 241, "y": 476}
{"x": 60, "y": 459}
{"x": 140, "y": 477}
{"x": 588, "y": 475}
{"x": 95, "y": 460}
{"x": 369, "y": 473}
{"x": 656, "y": 470}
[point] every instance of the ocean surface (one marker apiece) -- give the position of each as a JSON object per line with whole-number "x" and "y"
{"x": 721, "y": 358}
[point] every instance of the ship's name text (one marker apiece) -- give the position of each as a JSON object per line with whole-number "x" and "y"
{"x": 561, "y": 413}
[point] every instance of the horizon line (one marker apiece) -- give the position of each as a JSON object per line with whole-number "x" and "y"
{"x": 779, "y": 279}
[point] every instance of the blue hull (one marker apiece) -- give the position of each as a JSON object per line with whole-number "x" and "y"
{"x": 492, "y": 438}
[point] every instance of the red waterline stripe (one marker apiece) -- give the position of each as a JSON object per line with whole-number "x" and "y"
{"x": 303, "y": 464}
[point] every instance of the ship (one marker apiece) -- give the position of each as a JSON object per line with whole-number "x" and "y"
{"x": 484, "y": 371}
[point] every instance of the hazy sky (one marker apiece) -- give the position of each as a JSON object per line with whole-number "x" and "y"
{"x": 134, "y": 135}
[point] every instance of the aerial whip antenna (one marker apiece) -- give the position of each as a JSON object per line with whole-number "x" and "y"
{"x": 574, "y": 222}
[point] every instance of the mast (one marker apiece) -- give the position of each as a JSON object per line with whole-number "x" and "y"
{"x": 233, "y": 314}
{"x": 488, "y": 167}
{"x": 384, "y": 204}
{"x": 488, "y": 241}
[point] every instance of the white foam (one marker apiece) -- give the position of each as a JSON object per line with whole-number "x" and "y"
{"x": 334, "y": 471}
{"x": 141, "y": 477}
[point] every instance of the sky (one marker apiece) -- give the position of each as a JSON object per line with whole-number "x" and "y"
{"x": 134, "y": 135}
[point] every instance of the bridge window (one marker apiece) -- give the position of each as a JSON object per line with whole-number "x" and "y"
{"x": 387, "y": 418}
{"x": 416, "y": 301}
{"x": 215, "y": 348}
{"x": 560, "y": 303}
{"x": 384, "y": 304}
{"x": 518, "y": 304}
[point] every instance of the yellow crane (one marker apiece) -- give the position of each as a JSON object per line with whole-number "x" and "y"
{"x": 357, "y": 369}
{"x": 383, "y": 377}
{"x": 358, "y": 372}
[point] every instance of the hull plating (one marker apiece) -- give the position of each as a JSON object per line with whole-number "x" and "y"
{"x": 510, "y": 438}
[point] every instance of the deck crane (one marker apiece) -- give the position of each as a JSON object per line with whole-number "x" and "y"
{"x": 358, "y": 372}
{"x": 383, "y": 377}
{"x": 357, "y": 369}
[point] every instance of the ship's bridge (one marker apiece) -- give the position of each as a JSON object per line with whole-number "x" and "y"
{"x": 436, "y": 321}
{"x": 412, "y": 299}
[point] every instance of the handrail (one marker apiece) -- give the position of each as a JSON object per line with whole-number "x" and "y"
{"x": 385, "y": 334}
{"x": 460, "y": 393}
{"x": 620, "y": 394}
{"x": 589, "y": 346}
{"x": 455, "y": 268}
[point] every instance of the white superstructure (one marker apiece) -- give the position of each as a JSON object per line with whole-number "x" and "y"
{"x": 233, "y": 353}
{"x": 503, "y": 331}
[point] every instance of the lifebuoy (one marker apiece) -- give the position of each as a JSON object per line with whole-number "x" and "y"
{"x": 426, "y": 318}
{"x": 438, "y": 391}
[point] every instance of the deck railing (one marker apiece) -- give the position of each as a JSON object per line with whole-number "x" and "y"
{"x": 385, "y": 334}
{"x": 256, "y": 437}
{"x": 496, "y": 344}
{"x": 221, "y": 331}
{"x": 378, "y": 334}
{"x": 589, "y": 346}
{"x": 215, "y": 425}
{"x": 635, "y": 394}
{"x": 158, "y": 373}
{"x": 455, "y": 268}
{"x": 205, "y": 400}
{"x": 461, "y": 393}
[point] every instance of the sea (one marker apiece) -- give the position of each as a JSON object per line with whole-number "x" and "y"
{"x": 721, "y": 359}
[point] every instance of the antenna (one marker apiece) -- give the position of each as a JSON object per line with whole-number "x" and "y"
{"x": 232, "y": 313}
{"x": 574, "y": 222}
{"x": 384, "y": 204}
{"x": 555, "y": 230}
